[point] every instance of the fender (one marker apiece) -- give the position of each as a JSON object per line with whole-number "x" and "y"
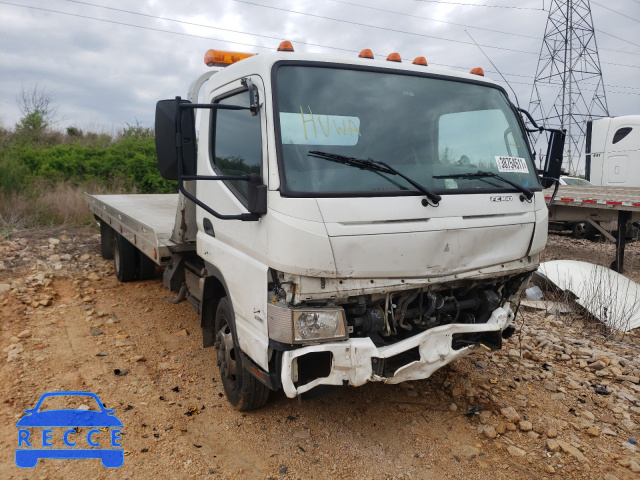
{"x": 215, "y": 288}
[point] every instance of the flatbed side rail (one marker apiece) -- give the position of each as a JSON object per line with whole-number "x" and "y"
{"x": 144, "y": 220}
{"x": 585, "y": 202}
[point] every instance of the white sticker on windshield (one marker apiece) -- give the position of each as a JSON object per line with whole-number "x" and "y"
{"x": 308, "y": 128}
{"x": 512, "y": 164}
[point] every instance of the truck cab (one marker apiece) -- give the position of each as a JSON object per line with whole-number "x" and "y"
{"x": 613, "y": 151}
{"x": 346, "y": 220}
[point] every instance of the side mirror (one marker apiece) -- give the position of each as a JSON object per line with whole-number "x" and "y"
{"x": 553, "y": 164}
{"x": 257, "y": 198}
{"x": 167, "y": 141}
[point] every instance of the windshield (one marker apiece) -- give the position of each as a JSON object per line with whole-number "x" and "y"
{"x": 576, "y": 181}
{"x": 423, "y": 127}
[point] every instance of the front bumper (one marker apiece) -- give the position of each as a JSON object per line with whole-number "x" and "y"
{"x": 352, "y": 359}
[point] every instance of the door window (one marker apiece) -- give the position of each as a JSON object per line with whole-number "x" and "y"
{"x": 237, "y": 142}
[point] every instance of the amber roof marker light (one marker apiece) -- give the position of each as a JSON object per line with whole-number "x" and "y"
{"x": 223, "y": 58}
{"x": 366, "y": 53}
{"x": 394, "y": 57}
{"x": 285, "y": 46}
{"x": 420, "y": 61}
{"x": 477, "y": 71}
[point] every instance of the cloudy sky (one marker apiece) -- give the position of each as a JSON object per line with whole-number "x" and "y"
{"x": 108, "y": 62}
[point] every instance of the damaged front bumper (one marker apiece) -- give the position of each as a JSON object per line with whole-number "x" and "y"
{"x": 353, "y": 362}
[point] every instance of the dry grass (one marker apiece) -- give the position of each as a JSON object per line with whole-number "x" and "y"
{"x": 49, "y": 204}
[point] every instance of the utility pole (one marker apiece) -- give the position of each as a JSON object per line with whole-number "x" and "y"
{"x": 569, "y": 89}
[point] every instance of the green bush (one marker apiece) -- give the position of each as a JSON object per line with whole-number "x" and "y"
{"x": 130, "y": 161}
{"x": 31, "y": 168}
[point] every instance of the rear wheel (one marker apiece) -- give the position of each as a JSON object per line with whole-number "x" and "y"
{"x": 106, "y": 241}
{"x": 584, "y": 230}
{"x": 146, "y": 267}
{"x": 124, "y": 259}
{"x": 243, "y": 390}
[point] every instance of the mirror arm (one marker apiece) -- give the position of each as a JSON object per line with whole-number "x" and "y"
{"x": 555, "y": 190}
{"x": 254, "y": 101}
{"x": 182, "y": 177}
{"x": 533, "y": 122}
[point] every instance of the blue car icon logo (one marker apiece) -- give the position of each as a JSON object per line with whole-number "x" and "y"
{"x": 71, "y": 427}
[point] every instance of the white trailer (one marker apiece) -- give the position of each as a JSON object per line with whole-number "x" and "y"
{"x": 613, "y": 151}
{"x": 588, "y": 207}
{"x": 340, "y": 220}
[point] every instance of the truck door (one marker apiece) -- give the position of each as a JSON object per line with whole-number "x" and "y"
{"x": 233, "y": 142}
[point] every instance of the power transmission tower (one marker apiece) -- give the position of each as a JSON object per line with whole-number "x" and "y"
{"x": 568, "y": 89}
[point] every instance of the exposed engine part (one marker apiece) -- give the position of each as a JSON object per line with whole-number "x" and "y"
{"x": 371, "y": 322}
{"x": 411, "y": 312}
{"x": 387, "y": 328}
{"x": 404, "y": 302}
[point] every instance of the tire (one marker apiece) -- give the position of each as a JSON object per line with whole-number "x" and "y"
{"x": 146, "y": 266}
{"x": 124, "y": 259}
{"x": 584, "y": 230}
{"x": 106, "y": 241}
{"x": 243, "y": 390}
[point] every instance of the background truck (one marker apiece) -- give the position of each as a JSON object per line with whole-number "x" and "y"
{"x": 340, "y": 220}
{"x": 612, "y": 149}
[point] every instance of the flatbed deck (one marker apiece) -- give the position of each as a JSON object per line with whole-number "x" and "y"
{"x": 595, "y": 204}
{"x": 606, "y": 198}
{"x": 146, "y": 220}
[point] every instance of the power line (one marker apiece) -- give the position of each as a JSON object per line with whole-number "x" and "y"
{"x": 378, "y": 27}
{"x": 432, "y": 19}
{"x": 222, "y": 29}
{"x": 618, "y": 38}
{"x": 619, "y": 51}
{"x": 480, "y": 5}
{"x": 176, "y": 33}
{"x": 557, "y": 84}
{"x": 404, "y": 31}
{"x": 615, "y": 11}
{"x": 477, "y": 28}
{"x": 230, "y": 30}
{"x": 198, "y": 25}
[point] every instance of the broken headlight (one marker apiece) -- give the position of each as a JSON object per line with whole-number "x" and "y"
{"x": 306, "y": 325}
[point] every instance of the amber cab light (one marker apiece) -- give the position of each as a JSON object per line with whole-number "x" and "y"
{"x": 222, "y": 58}
{"x": 420, "y": 61}
{"x": 366, "y": 53}
{"x": 285, "y": 46}
{"x": 394, "y": 57}
{"x": 477, "y": 71}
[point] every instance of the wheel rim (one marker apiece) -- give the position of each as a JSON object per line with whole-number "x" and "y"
{"x": 226, "y": 353}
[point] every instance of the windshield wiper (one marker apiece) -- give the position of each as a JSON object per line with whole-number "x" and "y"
{"x": 377, "y": 166}
{"x": 526, "y": 192}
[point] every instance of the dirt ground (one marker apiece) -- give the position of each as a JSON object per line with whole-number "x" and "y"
{"x": 560, "y": 400}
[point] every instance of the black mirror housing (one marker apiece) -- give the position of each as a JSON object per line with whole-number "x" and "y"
{"x": 257, "y": 198}
{"x": 167, "y": 141}
{"x": 553, "y": 164}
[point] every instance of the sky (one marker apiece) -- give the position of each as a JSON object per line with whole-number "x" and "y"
{"x": 107, "y": 67}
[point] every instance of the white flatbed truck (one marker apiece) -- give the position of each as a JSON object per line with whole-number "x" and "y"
{"x": 340, "y": 220}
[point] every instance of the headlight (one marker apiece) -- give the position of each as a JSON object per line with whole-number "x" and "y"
{"x": 317, "y": 325}
{"x": 302, "y": 326}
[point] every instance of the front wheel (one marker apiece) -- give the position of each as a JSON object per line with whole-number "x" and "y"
{"x": 243, "y": 390}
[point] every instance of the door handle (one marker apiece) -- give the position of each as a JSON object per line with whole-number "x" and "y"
{"x": 208, "y": 227}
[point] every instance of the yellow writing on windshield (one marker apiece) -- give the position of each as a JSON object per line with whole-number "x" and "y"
{"x": 343, "y": 126}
